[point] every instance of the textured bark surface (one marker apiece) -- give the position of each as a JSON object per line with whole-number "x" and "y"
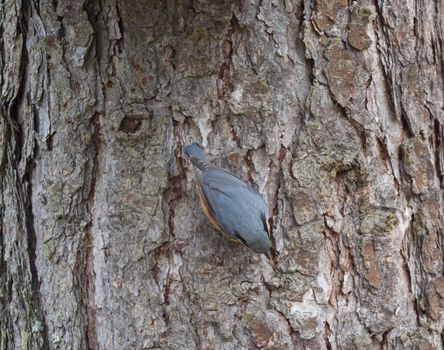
{"x": 332, "y": 109}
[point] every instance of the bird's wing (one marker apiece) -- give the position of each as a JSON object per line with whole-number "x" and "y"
{"x": 209, "y": 213}
{"x": 233, "y": 204}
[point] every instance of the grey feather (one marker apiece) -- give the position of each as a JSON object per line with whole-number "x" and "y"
{"x": 195, "y": 151}
{"x": 238, "y": 208}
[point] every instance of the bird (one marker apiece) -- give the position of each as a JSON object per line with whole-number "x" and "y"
{"x": 233, "y": 208}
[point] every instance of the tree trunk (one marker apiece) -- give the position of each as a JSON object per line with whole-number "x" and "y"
{"x": 333, "y": 110}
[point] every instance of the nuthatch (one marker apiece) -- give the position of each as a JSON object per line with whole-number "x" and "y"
{"x": 235, "y": 209}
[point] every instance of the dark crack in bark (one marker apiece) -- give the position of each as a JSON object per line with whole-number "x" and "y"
{"x": 25, "y": 181}
{"x": 86, "y": 272}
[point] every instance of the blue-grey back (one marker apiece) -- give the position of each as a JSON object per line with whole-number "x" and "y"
{"x": 236, "y": 206}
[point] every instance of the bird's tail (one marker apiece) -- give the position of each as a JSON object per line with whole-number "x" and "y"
{"x": 196, "y": 155}
{"x": 194, "y": 150}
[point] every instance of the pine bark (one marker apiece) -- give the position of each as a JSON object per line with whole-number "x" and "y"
{"x": 332, "y": 109}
